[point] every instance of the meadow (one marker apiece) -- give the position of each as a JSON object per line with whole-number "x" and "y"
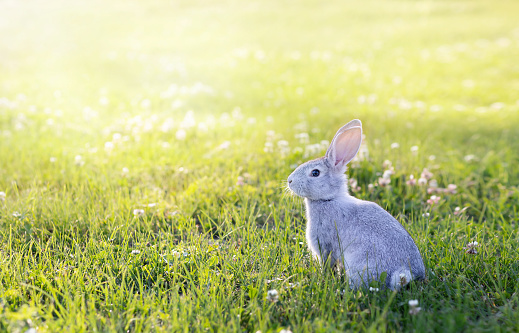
{"x": 144, "y": 148}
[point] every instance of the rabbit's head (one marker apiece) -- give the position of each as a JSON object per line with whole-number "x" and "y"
{"x": 324, "y": 178}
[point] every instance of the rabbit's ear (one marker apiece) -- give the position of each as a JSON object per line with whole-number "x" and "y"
{"x": 345, "y": 144}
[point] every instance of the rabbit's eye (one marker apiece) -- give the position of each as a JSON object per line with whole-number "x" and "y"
{"x": 315, "y": 173}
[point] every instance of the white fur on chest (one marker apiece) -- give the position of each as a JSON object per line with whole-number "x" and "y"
{"x": 325, "y": 230}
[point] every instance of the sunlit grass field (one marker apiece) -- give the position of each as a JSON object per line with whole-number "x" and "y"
{"x": 144, "y": 147}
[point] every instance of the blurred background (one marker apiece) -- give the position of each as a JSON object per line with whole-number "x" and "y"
{"x": 161, "y": 82}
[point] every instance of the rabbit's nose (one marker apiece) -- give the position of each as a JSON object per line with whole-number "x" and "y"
{"x": 290, "y": 181}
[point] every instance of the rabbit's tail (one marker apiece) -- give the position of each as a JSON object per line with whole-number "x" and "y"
{"x": 400, "y": 278}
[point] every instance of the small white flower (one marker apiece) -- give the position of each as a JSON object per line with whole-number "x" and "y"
{"x": 79, "y": 160}
{"x": 282, "y": 143}
{"x": 387, "y": 174}
{"x": 395, "y": 145}
{"x": 414, "y": 309}
{"x": 373, "y": 289}
{"x": 422, "y": 181}
{"x": 268, "y": 147}
{"x": 469, "y": 158}
{"x": 181, "y": 134}
{"x": 116, "y": 137}
{"x": 403, "y": 279}
{"x": 136, "y": 252}
{"x": 303, "y": 138}
{"x": 138, "y": 212}
{"x": 109, "y": 146}
{"x": 224, "y": 145}
{"x": 53, "y": 160}
{"x": 414, "y": 149}
{"x": 285, "y": 331}
{"x": 426, "y": 174}
{"x": 272, "y": 295}
{"x": 103, "y": 101}
{"x": 125, "y": 171}
{"x": 2, "y": 196}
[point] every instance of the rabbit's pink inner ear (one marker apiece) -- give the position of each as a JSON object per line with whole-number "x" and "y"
{"x": 347, "y": 144}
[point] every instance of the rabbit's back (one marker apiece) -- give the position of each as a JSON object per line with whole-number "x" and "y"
{"x": 364, "y": 237}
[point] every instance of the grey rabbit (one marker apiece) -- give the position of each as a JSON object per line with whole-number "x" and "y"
{"x": 356, "y": 234}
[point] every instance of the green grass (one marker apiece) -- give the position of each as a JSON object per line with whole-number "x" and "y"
{"x": 233, "y": 75}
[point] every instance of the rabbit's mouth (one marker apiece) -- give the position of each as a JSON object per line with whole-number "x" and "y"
{"x": 297, "y": 190}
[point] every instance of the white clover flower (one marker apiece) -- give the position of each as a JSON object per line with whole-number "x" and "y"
{"x": 53, "y": 160}
{"x": 116, "y": 137}
{"x": 272, "y": 295}
{"x": 395, "y": 145}
{"x": 136, "y": 252}
{"x": 470, "y": 158}
{"x": 384, "y": 181}
{"x": 451, "y": 188}
{"x": 403, "y": 279}
{"x": 373, "y": 289}
{"x": 167, "y": 125}
{"x": 282, "y": 143}
{"x": 411, "y": 181}
{"x": 414, "y": 309}
{"x": 386, "y": 164}
{"x": 433, "y": 199}
{"x": 285, "y": 331}
{"x": 387, "y": 174}
{"x": 224, "y": 145}
{"x": 414, "y": 149}
{"x": 79, "y": 160}
{"x": 109, "y": 146}
{"x": 303, "y": 138}
{"x": 125, "y": 171}
{"x": 2, "y": 196}
{"x": 138, "y": 212}
{"x": 324, "y": 144}
{"x": 312, "y": 150}
{"x": 269, "y": 147}
{"x": 104, "y": 100}
{"x": 270, "y": 135}
{"x": 180, "y": 135}
{"x": 426, "y": 174}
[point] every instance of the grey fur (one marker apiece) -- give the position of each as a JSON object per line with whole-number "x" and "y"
{"x": 358, "y": 235}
